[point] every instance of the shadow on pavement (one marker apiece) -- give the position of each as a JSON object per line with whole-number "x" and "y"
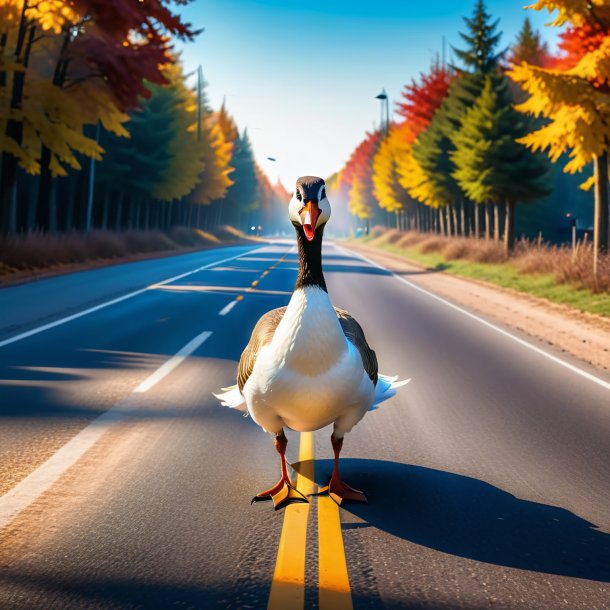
{"x": 469, "y": 518}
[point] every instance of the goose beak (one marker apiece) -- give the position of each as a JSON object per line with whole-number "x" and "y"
{"x": 309, "y": 217}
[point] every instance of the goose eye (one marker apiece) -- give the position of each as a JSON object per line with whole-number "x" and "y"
{"x": 299, "y": 197}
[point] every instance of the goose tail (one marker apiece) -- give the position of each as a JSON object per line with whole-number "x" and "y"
{"x": 386, "y": 388}
{"x": 231, "y": 397}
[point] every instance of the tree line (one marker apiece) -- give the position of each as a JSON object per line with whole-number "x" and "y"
{"x": 101, "y": 127}
{"x": 470, "y": 142}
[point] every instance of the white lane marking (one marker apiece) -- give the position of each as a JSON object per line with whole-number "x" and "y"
{"x": 39, "y": 481}
{"x": 601, "y": 382}
{"x": 136, "y": 293}
{"x": 172, "y": 363}
{"x": 227, "y": 308}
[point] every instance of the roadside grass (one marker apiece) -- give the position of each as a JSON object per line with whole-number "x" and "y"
{"x": 22, "y": 255}
{"x": 548, "y": 272}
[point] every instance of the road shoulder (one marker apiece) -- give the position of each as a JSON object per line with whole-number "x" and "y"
{"x": 583, "y": 335}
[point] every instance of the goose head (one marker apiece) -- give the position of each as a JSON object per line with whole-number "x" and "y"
{"x": 309, "y": 207}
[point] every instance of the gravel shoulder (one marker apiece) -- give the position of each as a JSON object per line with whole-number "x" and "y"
{"x": 583, "y": 335}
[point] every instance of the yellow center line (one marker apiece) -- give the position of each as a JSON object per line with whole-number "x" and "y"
{"x": 333, "y": 581}
{"x": 288, "y": 585}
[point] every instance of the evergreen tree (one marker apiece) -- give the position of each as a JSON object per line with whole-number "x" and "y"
{"x": 433, "y": 149}
{"x": 242, "y": 196}
{"x": 481, "y": 40}
{"x": 529, "y": 47}
{"x": 490, "y": 165}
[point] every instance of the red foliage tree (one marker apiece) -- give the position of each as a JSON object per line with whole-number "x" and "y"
{"x": 360, "y": 161}
{"x": 422, "y": 99}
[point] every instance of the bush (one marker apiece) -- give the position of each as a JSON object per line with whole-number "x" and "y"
{"x": 567, "y": 267}
{"x": 37, "y": 250}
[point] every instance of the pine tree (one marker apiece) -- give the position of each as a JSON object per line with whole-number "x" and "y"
{"x": 490, "y": 165}
{"x": 433, "y": 149}
{"x": 481, "y": 41}
{"x": 241, "y": 198}
{"x": 529, "y": 47}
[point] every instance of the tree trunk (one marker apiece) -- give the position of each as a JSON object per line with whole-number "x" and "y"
{"x": 600, "y": 222}
{"x": 476, "y": 221}
{"x": 509, "y": 226}
{"x": 496, "y": 222}
{"x": 487, "y": 221}
{"x": 465, "y": 232}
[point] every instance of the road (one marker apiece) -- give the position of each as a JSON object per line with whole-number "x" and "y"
{"x": 126, "y": 485}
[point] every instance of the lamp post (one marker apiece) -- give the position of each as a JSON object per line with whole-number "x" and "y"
{"x": 385, "y": 111}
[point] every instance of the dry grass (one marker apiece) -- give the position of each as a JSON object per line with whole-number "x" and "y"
{"x": 528, "y": 258}
{"x": 36, "y": 251}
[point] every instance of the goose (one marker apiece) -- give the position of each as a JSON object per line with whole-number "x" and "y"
{"x": 308, "y": 365}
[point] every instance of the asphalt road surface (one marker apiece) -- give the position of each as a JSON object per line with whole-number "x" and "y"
{"x": 126, "y": 485}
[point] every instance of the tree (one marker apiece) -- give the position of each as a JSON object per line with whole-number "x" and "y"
{"x": 529, "y": 47}
{"x": 422, "y": 99}
{"x": 360, "y": 200}
{"x": 388, "y": 190}
{"x": 186, "y": 157}
{"x": 432, "y": 151}
{"x": 242, "y": 197}
{"x": 576, "y": 101}
{"x": 481, "y": 40}
{"x": 216, "y": 150}
{"x": 89, "y": 64}
{"x": 490, "y": 164}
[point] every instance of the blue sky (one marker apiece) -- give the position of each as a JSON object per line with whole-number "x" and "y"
{"x": 303, "y": 76}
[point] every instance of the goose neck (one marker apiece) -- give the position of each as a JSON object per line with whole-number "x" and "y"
{"x": 310, "y": 260}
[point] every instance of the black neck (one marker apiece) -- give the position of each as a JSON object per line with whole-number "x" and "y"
{"x": 310, "y": 259}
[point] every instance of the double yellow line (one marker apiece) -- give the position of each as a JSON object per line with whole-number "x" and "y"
{"x": 288, "y": 585}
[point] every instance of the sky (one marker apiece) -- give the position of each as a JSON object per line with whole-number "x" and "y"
{"x": 302, "y": 76}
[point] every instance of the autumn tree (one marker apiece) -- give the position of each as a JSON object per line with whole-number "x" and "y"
{"x": 388, "y": 190}
{"x": 76, "y": 63}
{"x": 422, "y": 98}
{"x": 575, "y": 99}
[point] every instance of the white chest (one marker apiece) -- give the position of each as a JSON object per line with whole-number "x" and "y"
{"x": 309, "y": 375}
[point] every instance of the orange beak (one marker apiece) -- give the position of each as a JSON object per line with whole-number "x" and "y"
{"x": 309, "y": 217}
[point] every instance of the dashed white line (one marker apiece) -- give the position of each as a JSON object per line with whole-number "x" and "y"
{"x": 601, "y": 382}
{"x": 39, "y": 481}
{"x": 80, "y": 314}
{"x": 172, "y": 363}
{"x": 227, "y": 308}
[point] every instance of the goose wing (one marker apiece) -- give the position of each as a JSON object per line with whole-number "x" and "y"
{"x": 354, "y": 334}
{"x": 261, "y": 335}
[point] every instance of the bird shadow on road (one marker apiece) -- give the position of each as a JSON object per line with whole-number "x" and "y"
{"x": 469, "y": 518}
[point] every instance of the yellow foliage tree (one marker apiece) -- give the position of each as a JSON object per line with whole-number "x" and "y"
{"x": 360, "y": 204}
{"x": 214, "y": 180}
{"x": 388, "y": 190}
{"x": 576, "y": 102}
{"x": 186, "y": 154}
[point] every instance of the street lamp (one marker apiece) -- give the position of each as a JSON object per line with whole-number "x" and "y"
{"x": 385, "y": 116}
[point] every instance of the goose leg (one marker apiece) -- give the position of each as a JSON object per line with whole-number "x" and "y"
{"x": 283, "y": 492}
{"x": 337, "y": 489}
